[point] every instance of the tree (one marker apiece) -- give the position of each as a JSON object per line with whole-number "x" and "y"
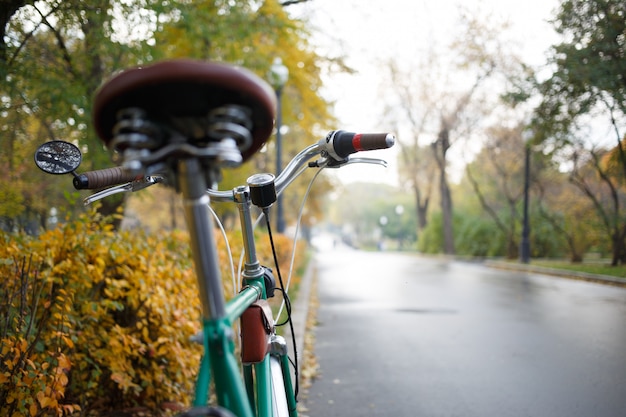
{"x": 358, "y": 209}
{"x": 448, "y": 101}
{"x": 499, "y": 181}
{"x": 7, "y": 10}
{"x": 589, "y": 82}
{"x": 569, "y": 213}
{"x": 56, "y": 53}
{"x": 416, "y": 160}
{"x": 595, "y": 175}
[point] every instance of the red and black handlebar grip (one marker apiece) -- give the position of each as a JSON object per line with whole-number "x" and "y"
{"x": 346, "y": 143}
{"x": 93, "y": 180}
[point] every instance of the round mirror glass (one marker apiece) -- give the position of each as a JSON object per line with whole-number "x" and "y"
{"x": 58, "y": 157}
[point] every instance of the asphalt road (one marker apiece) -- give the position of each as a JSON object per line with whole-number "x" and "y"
{"x": 400, "y": 335}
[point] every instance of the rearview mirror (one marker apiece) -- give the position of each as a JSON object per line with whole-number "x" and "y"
{"x": 58, "y": 157}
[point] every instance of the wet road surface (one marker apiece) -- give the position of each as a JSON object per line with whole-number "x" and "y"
{"x": 401, "y": 335}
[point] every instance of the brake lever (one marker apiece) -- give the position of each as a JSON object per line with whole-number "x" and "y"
{"x": 372, "y": 161}
{"x": 129, "y": 187}
{"x": 334, "y": 163}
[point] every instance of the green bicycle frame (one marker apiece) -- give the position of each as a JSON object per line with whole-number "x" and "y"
{"x": 249, "y": 395}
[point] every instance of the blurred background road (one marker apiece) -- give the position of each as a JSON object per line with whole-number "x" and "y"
{"x": 401, "y": 335}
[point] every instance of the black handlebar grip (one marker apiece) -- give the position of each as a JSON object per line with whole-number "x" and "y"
{"x": 345, "y": 143}
{"x": 93, "y": 180}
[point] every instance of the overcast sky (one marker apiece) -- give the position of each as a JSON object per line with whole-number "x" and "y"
{"x": 371, "y": 32}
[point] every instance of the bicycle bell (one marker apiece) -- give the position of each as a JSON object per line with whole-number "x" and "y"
{"x": 262, "y": 190}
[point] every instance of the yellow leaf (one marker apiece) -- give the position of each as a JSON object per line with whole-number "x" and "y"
{"x": 62, "y": 379}
{"x": 64, "y": 363}
{"x": 68, "y": 342}
{"x": 33, "y": 409}
{"x": 27, "y": 380}
{"x": 100, "y": 262}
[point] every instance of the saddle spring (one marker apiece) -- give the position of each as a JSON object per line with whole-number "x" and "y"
{"x": 232, "y": 122}
{"x": 221, "y": 135}
{"x": 134, "y": 131}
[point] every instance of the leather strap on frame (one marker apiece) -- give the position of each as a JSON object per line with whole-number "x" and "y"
{"x": 257, "y": 324}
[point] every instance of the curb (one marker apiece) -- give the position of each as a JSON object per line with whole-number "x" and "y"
{"x": 300, "y": 313}
{"x": 583, "y": 276}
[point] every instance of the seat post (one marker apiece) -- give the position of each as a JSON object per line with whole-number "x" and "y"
{"x": 193, "y": 187}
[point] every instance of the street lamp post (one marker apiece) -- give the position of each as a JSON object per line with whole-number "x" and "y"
{"x": 278, "y": 76}
{"x": 525, "y": 245}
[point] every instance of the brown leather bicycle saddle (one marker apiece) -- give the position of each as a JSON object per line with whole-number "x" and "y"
{"x": 182, "y": 92}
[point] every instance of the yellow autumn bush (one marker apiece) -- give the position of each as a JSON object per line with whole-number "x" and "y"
{"x": 94, "y": 320}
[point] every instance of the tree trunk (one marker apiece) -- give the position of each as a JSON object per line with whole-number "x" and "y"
{"x": 512, "y": 235}
{"x": 618, "y": 241}
{"x": 422, "y": 209}
{"x": 576, "y": 258}
{"x": 616, "y": 250}
{"x": 447, "y": 216}
{"x": 512, "y": 251}
{"x": 440, "y": 147}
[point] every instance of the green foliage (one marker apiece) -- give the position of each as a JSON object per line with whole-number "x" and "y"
{"x": 94, "y": 319}
{"x": 368, "y": 213}
{"x": 397, "y": 219}
{"x": 589, "y": 69}
{"x": 546, "y": 240}
{"x": 431, "y": 239}
{"x": 591, "y": 60}
{"x": 479, "y": 237}
{"x": 474, "y": 236}
{"x": 56, "y": 54}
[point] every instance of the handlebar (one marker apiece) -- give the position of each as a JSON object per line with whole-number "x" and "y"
{"x": 334, "y": 150}
{"x": 101, "y": 178}
{"x": 327, "y": 147}
{"x": 346, "y": 143}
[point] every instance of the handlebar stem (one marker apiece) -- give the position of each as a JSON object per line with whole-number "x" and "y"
{"x": 252, "y": 267}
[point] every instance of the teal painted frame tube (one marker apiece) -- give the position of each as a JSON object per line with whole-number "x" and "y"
{"x": 248, "y": 378}
{"x": 203, "y": 381}
{"x": 291, "y": 399}
{"x": 264, "y": 388}
{"x": 239, "y": 303}
{"x": 219, "y": 361}
{"x": 229, "y": 387}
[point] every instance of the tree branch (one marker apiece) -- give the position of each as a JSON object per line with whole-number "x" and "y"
{"x": 292, "y": 2}
{"x": 484, "y": 204}
{"x": 64, "y": 51}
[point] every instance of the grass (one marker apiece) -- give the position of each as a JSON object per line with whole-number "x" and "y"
{"x": 600, "y": 268}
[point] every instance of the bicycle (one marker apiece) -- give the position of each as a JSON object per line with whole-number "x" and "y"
{"x": 179, "y": 122}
